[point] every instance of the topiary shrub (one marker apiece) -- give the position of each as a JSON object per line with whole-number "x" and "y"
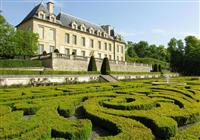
{"x": 44, "y": 53}
{"x": 159, "y": 68}
{"x": 155, "y": 68}
{"x": 105, "y": 67}
{"x": 92, "y": 64}
{"x": 56, "y": 51}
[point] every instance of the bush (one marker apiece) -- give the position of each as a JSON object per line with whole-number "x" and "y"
{"x": 92, "y": 64}
{"x": 19, "y": 63}
{"x": 105, "y": 67}
{"x": 56, "y": 51}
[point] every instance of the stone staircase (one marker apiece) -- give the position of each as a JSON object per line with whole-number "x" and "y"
{"x": 108, "y": 78}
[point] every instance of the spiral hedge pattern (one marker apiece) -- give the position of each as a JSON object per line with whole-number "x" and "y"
{"x": 134, "y": 110}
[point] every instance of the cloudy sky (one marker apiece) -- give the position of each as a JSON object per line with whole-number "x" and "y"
{"x": 155, "y": 21}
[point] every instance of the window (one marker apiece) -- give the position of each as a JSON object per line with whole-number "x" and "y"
{"x": 83, "y": 41}
{"x": 122, "y": 49}
{"x": 99, "y": 55}
{"x": 42, "y": 16}
{"x": 67, "y": 38}
{"x": 74, "y": 52}
{"x": 41, "y": 49}
{"x": 91, "y": 30}
{"x": 41, "y": 32}
{"x": 51, "y": 34}
{"x": 83, "y": 28}
{"x": 91, "y": 43}
{"x": 83, "y": 53}
{"x": 51, "y": 48}
{"x": 117, "y": 48}
{"x": 74, "y": 25}
{"x": 110, "y": 57}
{"x": 52, "y": 19}
{"x": 117, "y": 58}
{"x": 122, "y": 59}
{"x": 99, "y": 42}
{"x": 74, "y": 39}
{"x": 110, "y": 47}
{"x": 105, "y": 45}
{"x": 67, "y": 51}
{"x": 105, "y": 55}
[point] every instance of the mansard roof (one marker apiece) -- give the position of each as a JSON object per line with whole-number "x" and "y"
{"x": 67, "y": 19}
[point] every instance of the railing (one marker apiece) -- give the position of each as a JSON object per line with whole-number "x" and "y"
{"x": 76, "y": 57}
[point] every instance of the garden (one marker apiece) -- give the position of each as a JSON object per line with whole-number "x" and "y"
{"x": 131, "y": 110}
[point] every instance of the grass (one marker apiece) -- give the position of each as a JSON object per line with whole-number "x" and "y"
{"x": 127, "y": 110}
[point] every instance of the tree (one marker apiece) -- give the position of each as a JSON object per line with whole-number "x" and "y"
{"x": 26, "y": 43}
{"x": 141, "y": 49}
{"x": 105, "y": 67}
{"x": 92, "y": 64}
{"x": 7, "y": 45}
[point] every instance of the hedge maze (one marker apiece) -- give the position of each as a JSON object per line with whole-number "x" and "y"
{"x": 134, "y": 110}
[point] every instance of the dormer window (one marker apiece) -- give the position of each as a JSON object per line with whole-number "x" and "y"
{"x": 52, "y": 19}
{"x": 98, "y": 32}
{"x": 74, "y": 25}
{"x": 83, "y": 28}
{"x": 91, "y": 30}
{"x": 41, "y": 15}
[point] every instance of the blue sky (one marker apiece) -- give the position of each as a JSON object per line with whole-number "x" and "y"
{"x": 155, "y": 21}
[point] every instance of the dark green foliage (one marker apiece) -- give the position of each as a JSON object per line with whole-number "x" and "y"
{"x": 56, "y": 51}
{"x": 185, "y": 59}
{"x": 44, "y": 53}
{"x": 19, "y": 63}
{"x": 159, "y": 68}
{"x": 105, "y": 67}
{"x": 92, "y": 64}
{"x": 155, "y": 68}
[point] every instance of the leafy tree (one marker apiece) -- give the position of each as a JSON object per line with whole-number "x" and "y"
{"x": 105, "y": 67}
{"x": 92, "y": 64}
{"x": 26, "y": 43}
{"x": 141, "y": 49}
{"x": 7, "y": 45}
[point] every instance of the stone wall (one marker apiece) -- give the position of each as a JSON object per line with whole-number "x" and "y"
{"x": 79, "y": 63}
{"x": 8, "y": 80}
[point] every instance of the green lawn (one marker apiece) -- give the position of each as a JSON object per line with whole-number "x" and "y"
{"x": 131, "y": 110}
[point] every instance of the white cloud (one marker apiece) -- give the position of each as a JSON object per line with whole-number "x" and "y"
{"x": 159, "y": 31}
{"x": 189, "y": 33}
{"x": 129, "y": 33}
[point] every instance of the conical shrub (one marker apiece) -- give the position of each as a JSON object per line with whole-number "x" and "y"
{"x": 92, "y": 64}
{"x": 105, "y": 67}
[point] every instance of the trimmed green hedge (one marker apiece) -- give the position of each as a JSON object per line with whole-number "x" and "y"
{"x": 31, "y": 72}
{"x": 19, "y": 63}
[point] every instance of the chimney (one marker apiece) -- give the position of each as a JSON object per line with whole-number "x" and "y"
{"x": 50, "y": 7}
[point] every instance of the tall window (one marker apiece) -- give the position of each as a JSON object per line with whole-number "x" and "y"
{"x": 91, "y": 43}
{"x": 83, "y": 53}
{"x": 83, "y": 41}
{"x": 122, "y": 59}
{"x": 41, "y": 49}
{"x": 67, "y": 52}
{"x": 117, "y": 58}
{"x": 51, "y": 34}
{"x": 110, "y": 57}
{"x": 110, "y": 47}
{"x": 51, "y": 48}
{"x": 74, "y": 52}
{"x": 105, "y": 45}
{"x": 74, "y": 39}
{"x": 117, "y": 48}
{"x": 122, "y": 49}
{"x": 99, "y": 43}
{"x": 67, "y": 38}
{"x": 41, "y": 32}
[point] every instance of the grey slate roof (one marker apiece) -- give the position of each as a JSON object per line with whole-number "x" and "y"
{"x": 33, "y": 13}
{"x": 67, "y": 19}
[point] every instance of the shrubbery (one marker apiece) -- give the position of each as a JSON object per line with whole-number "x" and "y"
{"x": 105, "y": 67}
{"x": 92, "y": 64}
{"x": 19, "y": 63}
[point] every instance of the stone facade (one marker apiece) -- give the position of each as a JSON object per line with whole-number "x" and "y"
{"x": 70, "y": 35}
